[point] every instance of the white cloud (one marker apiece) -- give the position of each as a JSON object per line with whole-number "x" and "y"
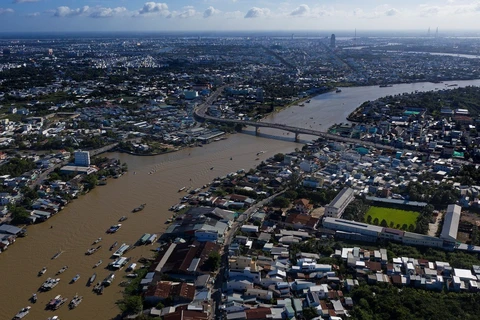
{"x": 101, "y": 12}
{"x": 150, "y": 8}
{"x": 65, "y": 11}
{"x": 33, "y": 14}
{"x": 391, "y": 12}
{"x": 257, "y": 12}
{"x": 301, "y": 11}
{"x": 210, "y": 11}
{"x": 92, "y": 12}
{"x": 24, "y": 1}
{"x": 5, "y": 10}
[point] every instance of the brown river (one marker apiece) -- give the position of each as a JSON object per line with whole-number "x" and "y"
{"x": 155, "y": 181}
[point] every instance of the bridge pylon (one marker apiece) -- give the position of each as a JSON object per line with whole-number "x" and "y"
{"x": 257, "y": 131}
{"x": 297, "y": 136}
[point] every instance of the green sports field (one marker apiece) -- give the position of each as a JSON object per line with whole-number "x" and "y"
{"x": 397, "y": 216}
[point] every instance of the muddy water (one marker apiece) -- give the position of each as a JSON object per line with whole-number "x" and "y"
{"x": 87, "y": 218}
{"x": 155, "y": 181}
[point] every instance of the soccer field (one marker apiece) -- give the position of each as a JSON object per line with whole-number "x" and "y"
{"x": 397, "y": 216}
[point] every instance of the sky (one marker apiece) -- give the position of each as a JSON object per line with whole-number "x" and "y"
{"x": 236, "y": 15}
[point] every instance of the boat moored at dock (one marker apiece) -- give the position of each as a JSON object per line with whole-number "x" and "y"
{"x": 120, "y": 251}
{"x": 108, "y": 280}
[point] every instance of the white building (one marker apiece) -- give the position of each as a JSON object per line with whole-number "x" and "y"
{"x": 337, "y": 206}
{"x": 82, "y": 158}
{"x": 450, "y": 224}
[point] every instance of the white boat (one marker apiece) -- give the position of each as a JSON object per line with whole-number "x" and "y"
{"x": 75, "y": 301}
{"x": 49, "y": 284}
{"x": 97, "y": 241}
{"x": 42, "y": 272}
{"x": 33, "y": 298}
{"x": 98, "y": 263}
{"x": 53, "y": 318}
{"x": 181, "y": 189}
{"x": 56, "y": 302}
{"x": 22, "y": 313}
{"x": 92, "y": 278}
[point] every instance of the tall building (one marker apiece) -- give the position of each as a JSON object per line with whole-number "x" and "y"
{"x": 332, "y": 41}
{"x": 82, "y": 158}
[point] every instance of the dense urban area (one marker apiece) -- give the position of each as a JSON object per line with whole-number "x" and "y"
{"x": 377, "y": 218}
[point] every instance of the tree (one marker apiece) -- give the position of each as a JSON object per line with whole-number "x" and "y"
{"x": 131, "y": 304}
{"x": 384, "y": 223}
{"x": 280, "y": 202}
{"x": 279, "y": 157}
{"x": 290, "y": 194}
{"x": 213, "y": 261}
{"x": 310, "y": 313}
{"x": 375, "y": 221}
{"x": 19, "y": 215}
{"x": 369, "y": 219}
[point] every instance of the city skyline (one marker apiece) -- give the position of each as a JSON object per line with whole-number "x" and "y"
{"x": 235, "y": 15}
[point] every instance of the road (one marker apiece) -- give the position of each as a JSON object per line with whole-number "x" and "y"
{"x": 220, "y": 274}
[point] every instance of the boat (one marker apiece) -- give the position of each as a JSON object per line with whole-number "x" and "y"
{"x": 97, "y": 287}
{"x": 56, "y": 302}
{"x": 108, "y": 280}
{"x": 301, "y": 105}
{"x": 97, "y": 241}
{"x": 75, "y": 301}
{"x": 100, "y": 290}
{"x": 122, "y": 218}
{"x": 98, "y": 263}
{"x": 49, "y": 284}
{"x": 113, "y": 245}
{"x": 56, "y": 255}
{"x": 308, "y": 101}
{"x": 120, "y": 251}
{"x": 53, "y": 318}
{"x": 75, "y": 279}
{"x": 92, "y": 250}
{"x": 181, "y": 189}
{"x": 338, "y": 90}
{"x": 62, "y": 270}
{"x": 33, "y": 298}
{"x": 22, "y": 313}
{"x": 42, "y": 272}
{"x": 139, "y": 208}
{"x": 144, "y": 238}
{"x": 114, "y": 228}
{"x": 211, "y": 168}
{"x": 92, "y": 278}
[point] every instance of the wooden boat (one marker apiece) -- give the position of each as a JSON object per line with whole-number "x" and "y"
{"x": 113, "y": 245}
{"x": 62, "y": 270}
{"x": 56, "y": 255}
{"x": 122, "y": 218}
{"x": 92, "y": 279}
{"x": 139, "y": 208}
{"x": 75, "y": 279}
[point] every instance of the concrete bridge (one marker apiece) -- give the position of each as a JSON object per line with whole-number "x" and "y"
{"x": 200, "y": 113}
